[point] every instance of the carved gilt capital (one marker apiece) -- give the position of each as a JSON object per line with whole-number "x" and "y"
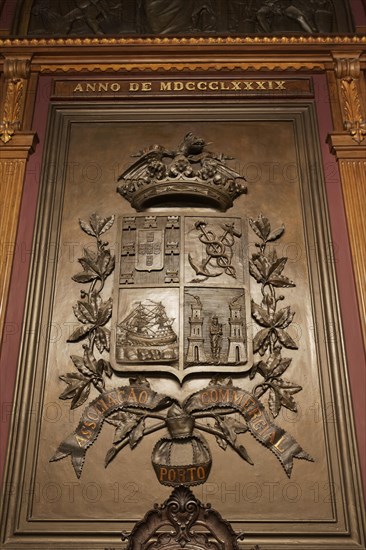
{"x": 17, "y": 68}
{"x": 16, "y": 72}
{"x": 347, "y": 68}
{"x": 348, "y": 73}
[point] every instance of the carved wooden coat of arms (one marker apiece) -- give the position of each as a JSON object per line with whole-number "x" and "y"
{"x": 181, "y": 306}
{"x": 181, "y": 281}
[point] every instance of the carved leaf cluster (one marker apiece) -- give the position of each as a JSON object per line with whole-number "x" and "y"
{"x": 93, "y": 313}
{"x": 12, "y": 107}
{"x": 267, "y": 269}
{"x": 274, "y": 331}
{"x": 90, "y": 371}
{"x": 351, "y": 100}
{"x": 128, "y": 425}
{"x": 97, "y": 225}
{"x": 281, "y": 394}
{"x": 353, "y": 121}
{"x": 281, "y": 391}
{"x": 230, "y": 427}
{"x": 99, "y": 264}
{"x": 96, "y": 266}
{"x": 262, "y": 228}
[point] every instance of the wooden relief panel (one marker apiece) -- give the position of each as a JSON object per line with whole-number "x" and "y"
{"x": 187, "y": 312}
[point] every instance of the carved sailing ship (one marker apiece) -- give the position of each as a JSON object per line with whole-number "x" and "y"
{"x": 148, "y": 325}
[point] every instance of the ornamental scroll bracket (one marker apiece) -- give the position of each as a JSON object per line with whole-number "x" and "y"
{"x": 348, "y": 73}
{"x": 183, "y": 522}
{"x": 16, "y": 72}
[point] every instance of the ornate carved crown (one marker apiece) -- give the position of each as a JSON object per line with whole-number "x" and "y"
{"x": 188, "y": 176}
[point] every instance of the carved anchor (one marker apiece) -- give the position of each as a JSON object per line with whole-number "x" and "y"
{"x": 218, "y": 249}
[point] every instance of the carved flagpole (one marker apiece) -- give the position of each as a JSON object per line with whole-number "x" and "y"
{"x": 16, "y": 144}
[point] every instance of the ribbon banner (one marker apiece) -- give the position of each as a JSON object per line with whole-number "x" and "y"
{"x": 214, "y": 397}
{"x": 118, "y": 399}
{"x": 281, "y": 443}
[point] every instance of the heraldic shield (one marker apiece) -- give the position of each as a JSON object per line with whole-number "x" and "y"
{"x": 182, "y": 296}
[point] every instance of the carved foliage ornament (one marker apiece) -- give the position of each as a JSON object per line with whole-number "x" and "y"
{"x": 183, "y": 522}
{"x": 15, "y": 72}
{"x": 93, "y": 313}
{"x": 136, "y": 411}
{"x": 348, "y": 73}
{"x": 267, "y": 269}
{"x": 354, "y": 122}
{"x": 11, "y": 115}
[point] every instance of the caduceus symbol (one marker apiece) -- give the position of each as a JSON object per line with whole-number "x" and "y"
{"x": 219, "y": 250}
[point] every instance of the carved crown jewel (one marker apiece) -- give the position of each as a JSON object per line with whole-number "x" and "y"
{"x": 188, "y": 175}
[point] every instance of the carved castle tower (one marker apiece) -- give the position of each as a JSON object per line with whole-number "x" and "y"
{"x": 237, "y": 351}
{"x": 196, "y": 351}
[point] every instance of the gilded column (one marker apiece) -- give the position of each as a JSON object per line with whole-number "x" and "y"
{"x": 16, "y": 144}
{"x": 349, "y": 146}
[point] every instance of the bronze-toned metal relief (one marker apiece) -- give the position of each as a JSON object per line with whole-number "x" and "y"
{"x": 218, "y": 247}
{"x": 93, "y": 314}
{"x": 147, "y": 318}
{"x": 216, "y": 328}
{"x": 129, "y": 407}
{"x": 156, "y": 17}
{"x": 146, "y": 335}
